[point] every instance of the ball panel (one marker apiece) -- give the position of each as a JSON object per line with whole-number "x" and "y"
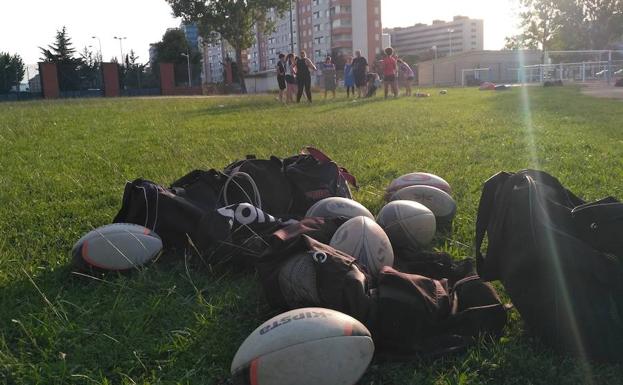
{"x": 118, "y": 247}
{"x": 330, "y": 361}
{"x": 292, "y": 328}
{"x": 417, "y": 178}
{"x": 407, "y": 223}
{"x": 437, "y": 200}
{"x": 338, "y": 207}
{"x": 365, "y": 240}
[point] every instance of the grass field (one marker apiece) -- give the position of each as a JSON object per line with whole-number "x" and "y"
{"x": 63, "y": 166}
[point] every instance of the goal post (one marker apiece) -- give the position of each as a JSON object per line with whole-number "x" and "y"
{"x": 477, "y": 73}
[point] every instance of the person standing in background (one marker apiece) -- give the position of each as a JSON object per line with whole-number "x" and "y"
{"x": 360, "y": 69}
{"x": 291, "y": 89}
{"x": 281, "y": 75}
{"x": 406, "y": 75}
{"x": 349, "y": 77}
{"x": 390, "y": 70}
{"x": 303, "y": 75}
{"x": 328, "y": 72}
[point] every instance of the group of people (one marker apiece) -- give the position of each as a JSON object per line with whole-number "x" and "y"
{"x": 294, "y": 76}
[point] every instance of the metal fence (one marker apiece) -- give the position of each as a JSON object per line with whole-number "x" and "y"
{"x": 606, "y": 71}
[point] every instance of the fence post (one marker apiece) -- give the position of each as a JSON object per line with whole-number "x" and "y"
{"x": 609, "y": 67}
{"x": 110, "y": 72}
{"x": 49, "y": 80}
{"x": 583, "y": 72}
{"x": 541, "y": 73}
{"x": 561, "y": 74}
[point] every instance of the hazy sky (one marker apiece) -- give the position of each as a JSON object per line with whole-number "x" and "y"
{"x": 34, "y": 22}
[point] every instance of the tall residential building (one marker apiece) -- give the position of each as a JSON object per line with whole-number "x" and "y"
{"x": 462, "y": 34}
{"x": 191, "y": 31}
{"x": 319, "y": 27}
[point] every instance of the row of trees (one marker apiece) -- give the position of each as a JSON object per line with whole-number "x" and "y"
{"x": 569, "y": 25}
{"x": 83, "y": 71}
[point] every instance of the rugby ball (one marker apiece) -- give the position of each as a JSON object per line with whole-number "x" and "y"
{"x": 439, "y": 202}
{"x": 408, "y": 224}
{"x": 364, "y": 240}
{"x": 308, "y": 346}
{"x": 338, "y": 207}
{"x": 116, "y": 247}
{"x": 417, "y": 178}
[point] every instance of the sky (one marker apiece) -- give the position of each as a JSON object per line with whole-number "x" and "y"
{"x": 142, "y": 22}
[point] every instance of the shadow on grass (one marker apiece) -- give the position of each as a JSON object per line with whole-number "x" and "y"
{"x": 162, "y": 323}
{"x": 262, "y": 104}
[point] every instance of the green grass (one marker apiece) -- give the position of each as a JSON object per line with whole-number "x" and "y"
{"x": 63, "y": 165}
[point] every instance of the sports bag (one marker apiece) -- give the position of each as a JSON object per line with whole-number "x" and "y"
{"x": 176, "y": 219}
{"x": 299, "y": 271}
{"x": 260, "y": 182}
{"x": 314, "y": 176}
{"x": 425, "y": 317}
{"x": 551, "y": 256}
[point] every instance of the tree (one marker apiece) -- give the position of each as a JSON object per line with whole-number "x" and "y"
{"x": 591, "y": 24}
{"x": 89, "y": 68}
{"x": 12, "y": 71}
{"x": 518, "y": 42}
{"x": 170, "y": 50}
{"x": 540, "y": 21}
{"x": 233, "y": 19}
{"x": 62, "y": 53}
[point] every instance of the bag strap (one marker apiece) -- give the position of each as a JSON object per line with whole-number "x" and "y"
{"x": 485, "y": 210}
{"x": 322, "y": 158}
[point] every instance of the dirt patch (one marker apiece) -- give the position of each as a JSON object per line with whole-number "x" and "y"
{"x": 603, "y": 91}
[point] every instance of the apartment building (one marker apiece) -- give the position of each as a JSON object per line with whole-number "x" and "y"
{"x": 319, "y": 27}
{"x": 444, "y": 38}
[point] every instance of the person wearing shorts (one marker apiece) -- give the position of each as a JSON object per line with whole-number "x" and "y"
{"x": 360, "y": 70}
{"x": 390, "y": 69}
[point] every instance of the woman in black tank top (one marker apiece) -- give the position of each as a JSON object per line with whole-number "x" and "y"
{"x": 303, "y": 65}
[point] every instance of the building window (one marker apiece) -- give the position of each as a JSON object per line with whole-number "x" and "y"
{"x": 316, "y": 15}
{"x": 316, "y": 2}
{"x": 272, "y": 51}
{"x": 376, "y": 23}
{"x": 376, "y": 37}
{"x": 317, "y": 27}
{"x": 318, "y": 53}
{"x": 318, "y": 40}
{"x": 376, "y": 10}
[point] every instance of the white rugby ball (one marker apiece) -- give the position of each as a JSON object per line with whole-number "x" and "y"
{"x": 364, "y": 240}
{"x": 118, "y": 246}
{"x": 308, "y": 346}
{"x": 438, "y": 201}
{"x": 408, "y": 224}
{"x": 338, "y": 207}
{"x": 417, "y": 178}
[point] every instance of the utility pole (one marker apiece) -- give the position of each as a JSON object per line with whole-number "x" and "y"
{"x": 291, "y": 29}
{"x": 187, "y": 56}
{"x": 121, "y": 48}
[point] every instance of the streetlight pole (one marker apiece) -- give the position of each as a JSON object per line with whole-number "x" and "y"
{"x": 187, "y": 56}
{"x": 450, "y": 31}
{"x": 435, "y": 49}
{"x": 291, "y": 30}
{"x": 100, "y": 44}
{"x": 121, "y": 47}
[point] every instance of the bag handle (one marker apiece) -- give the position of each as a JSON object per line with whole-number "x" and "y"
{"x": 256, "y": 191}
